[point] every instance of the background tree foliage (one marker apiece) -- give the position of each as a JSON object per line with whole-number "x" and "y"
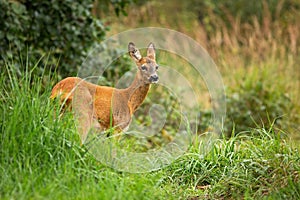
{"x": 64, "y": 29}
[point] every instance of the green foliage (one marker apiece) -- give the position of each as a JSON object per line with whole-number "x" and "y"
{"x": 103, "y": 6}
{"x": 117, "y": 68}
{"x": 255, "y": 103}
{"x": 242, "y": 167}
{"x": 65, "y": 29}
{"x": 168, "y": 112}
{"x": 291, "y": 191}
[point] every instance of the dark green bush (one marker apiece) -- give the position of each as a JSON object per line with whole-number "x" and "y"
{"x": 65, "y": 30}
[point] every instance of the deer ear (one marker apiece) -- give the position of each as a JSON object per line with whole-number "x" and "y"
{"x": 151, "y": 51}
{"x": 134, "y": 52}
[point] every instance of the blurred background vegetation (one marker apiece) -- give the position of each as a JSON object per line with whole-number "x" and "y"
{"x": 255, "y": 45}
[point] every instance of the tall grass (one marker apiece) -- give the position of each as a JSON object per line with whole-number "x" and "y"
{"x": 41, "y": 156}
{"x": 257, "y": 166}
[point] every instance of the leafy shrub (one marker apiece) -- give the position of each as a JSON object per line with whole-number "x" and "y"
{"x": 253, "y": 103}
{"x": 65, "y": 29}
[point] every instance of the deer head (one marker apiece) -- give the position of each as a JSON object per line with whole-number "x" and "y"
{"x": 147, "y": 66}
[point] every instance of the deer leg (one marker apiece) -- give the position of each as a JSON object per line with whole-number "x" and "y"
{"x": 83, "y": 107}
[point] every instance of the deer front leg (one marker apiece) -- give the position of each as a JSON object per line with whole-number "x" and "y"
{"x": 83, "y": 107}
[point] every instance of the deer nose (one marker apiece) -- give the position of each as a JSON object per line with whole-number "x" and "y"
{"x": 153, "y": 78}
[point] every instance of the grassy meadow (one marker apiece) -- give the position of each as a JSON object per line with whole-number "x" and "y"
{"x": 256, "y": 158}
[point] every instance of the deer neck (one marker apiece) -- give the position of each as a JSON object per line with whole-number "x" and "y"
{"x": 137, "y": 92}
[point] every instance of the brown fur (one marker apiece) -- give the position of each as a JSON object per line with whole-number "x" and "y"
{"x": 96, "y": 105}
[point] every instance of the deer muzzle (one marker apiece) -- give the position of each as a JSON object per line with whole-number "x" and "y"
{"x": 153, "y": 78}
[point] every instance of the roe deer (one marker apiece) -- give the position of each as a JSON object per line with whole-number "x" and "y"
{"x": 105, "y": 107}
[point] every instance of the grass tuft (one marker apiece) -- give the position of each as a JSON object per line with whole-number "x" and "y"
{"x": 257, "y": 165}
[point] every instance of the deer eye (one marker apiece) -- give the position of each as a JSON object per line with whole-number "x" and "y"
{"x": 156, "y": 67}
{"x": 144, "y": 68}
